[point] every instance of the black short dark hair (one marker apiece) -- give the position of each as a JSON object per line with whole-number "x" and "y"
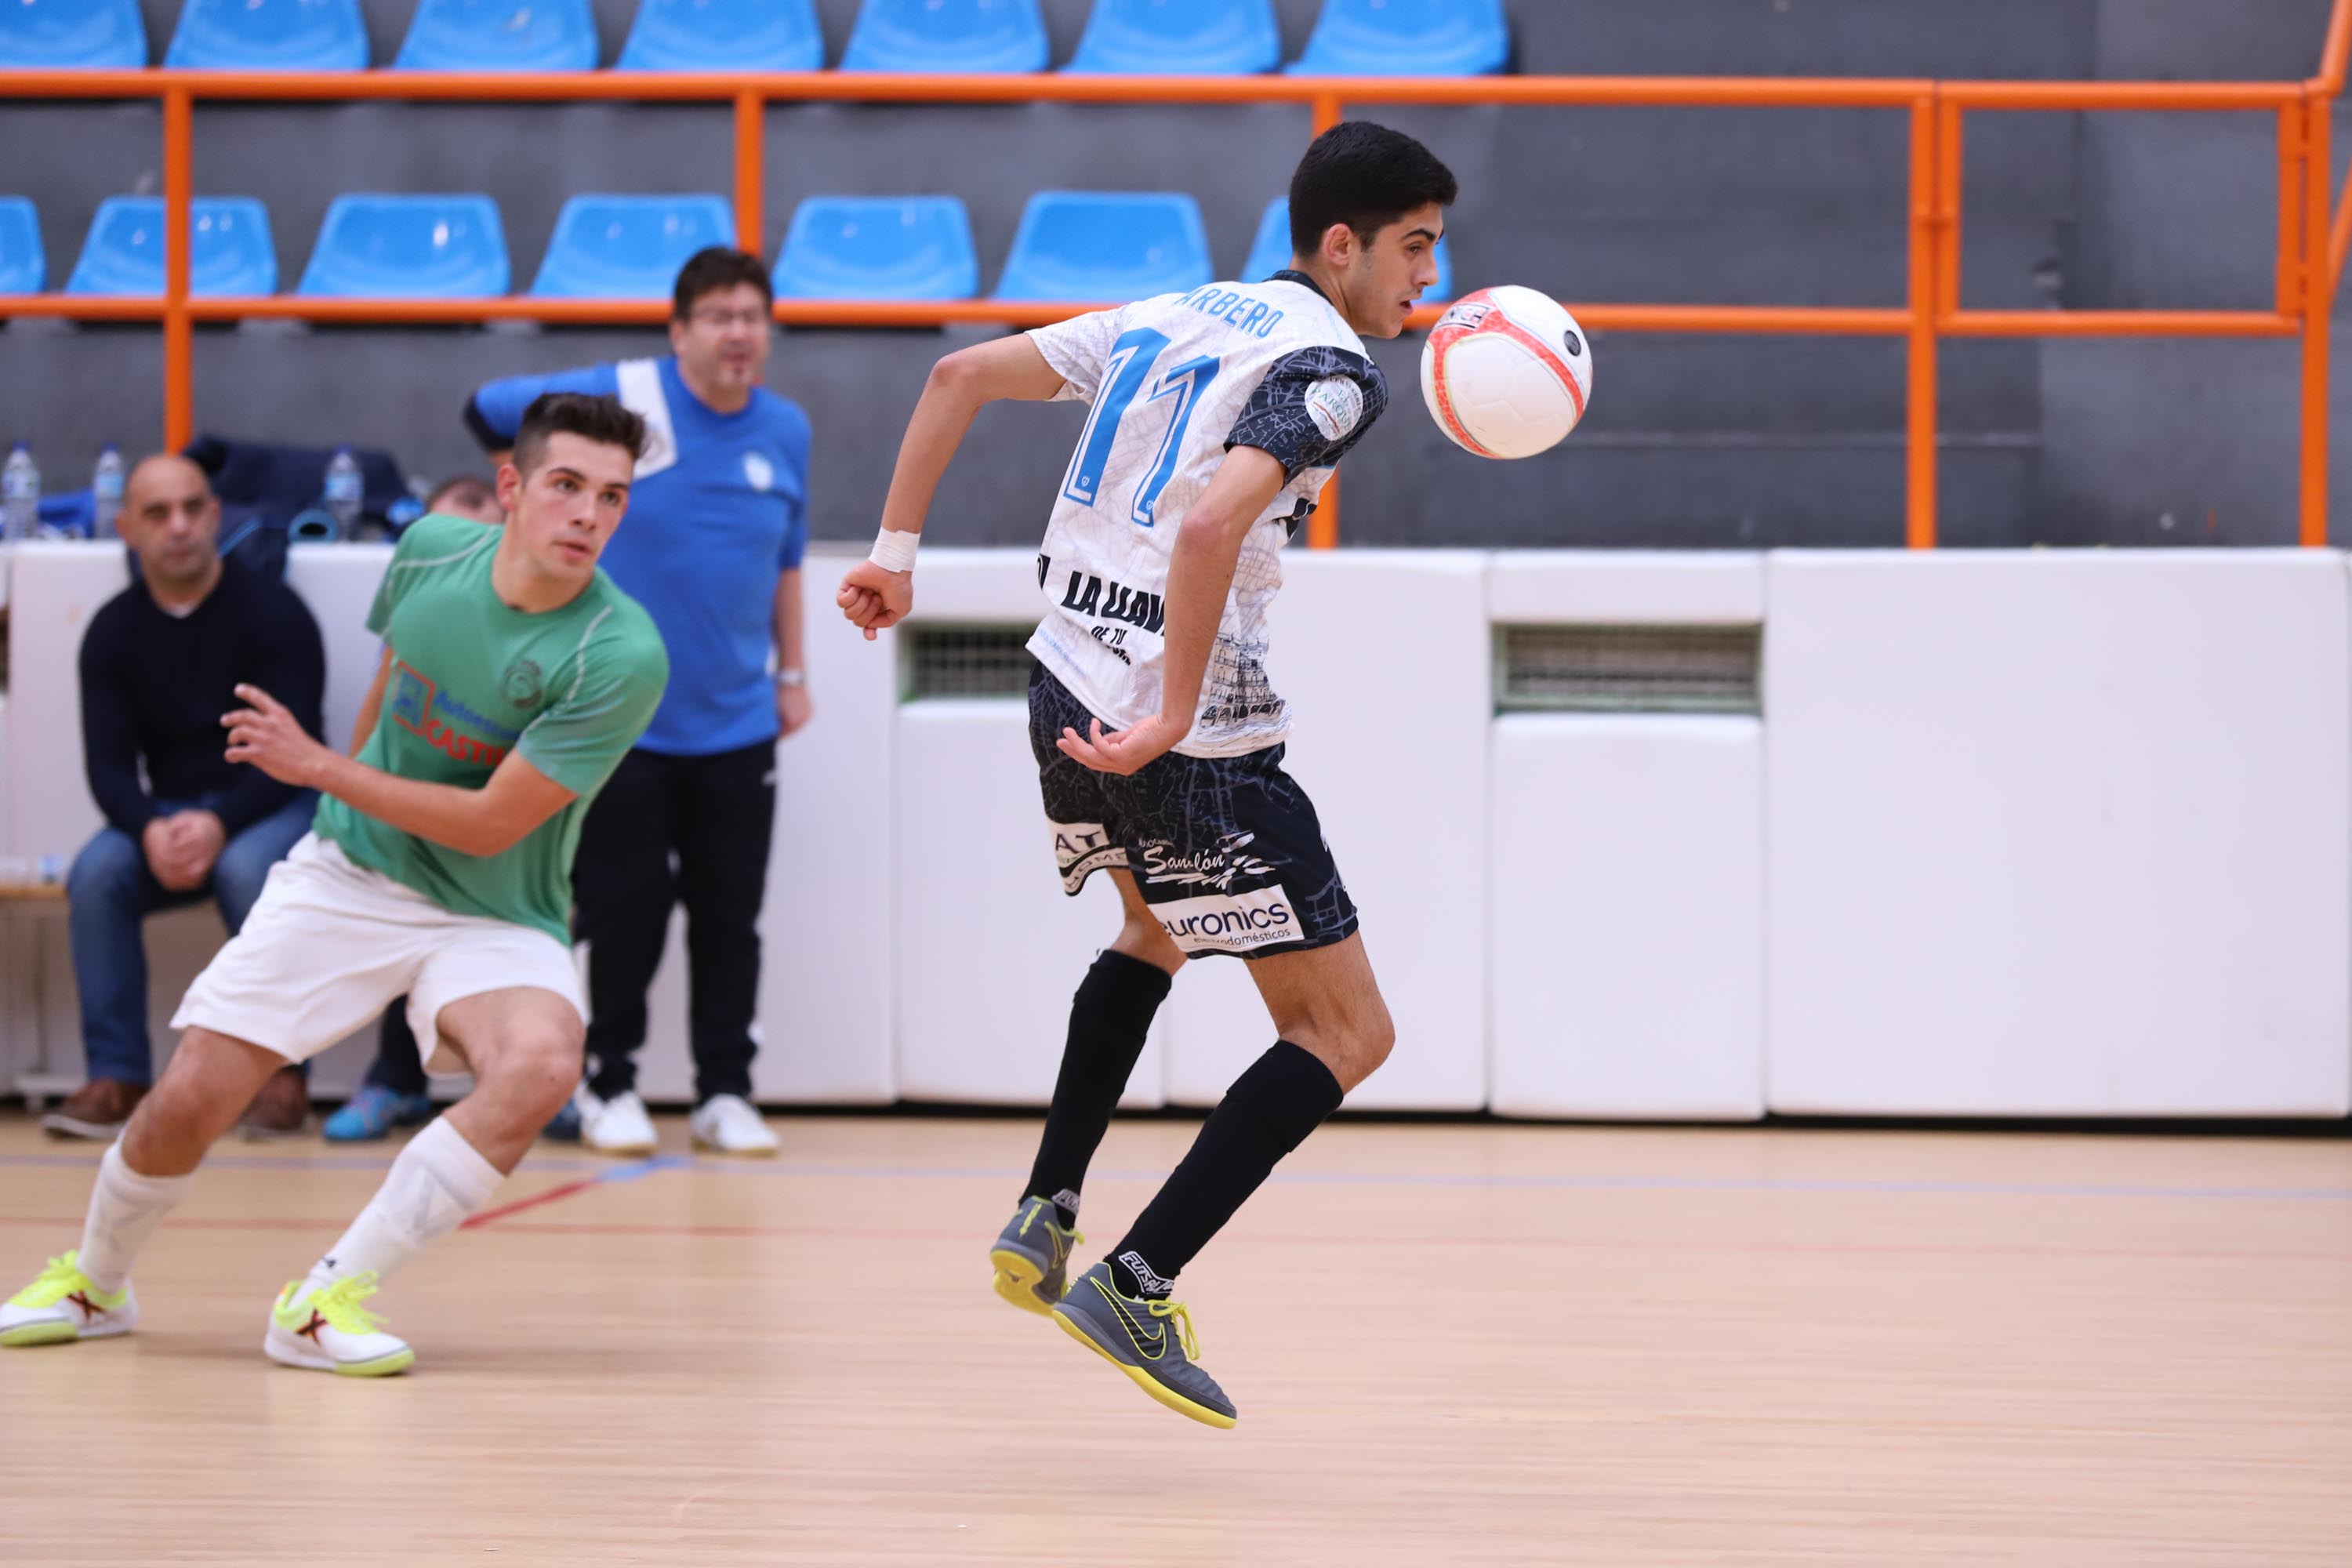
{"x": 464, "y": 490}
{"x": 1366, "y": 176}
{"x": 714, "y": 269}
{"x": 598, "y": 419}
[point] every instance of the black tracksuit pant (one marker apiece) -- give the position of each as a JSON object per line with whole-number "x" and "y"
{"x": 666, "y": 830}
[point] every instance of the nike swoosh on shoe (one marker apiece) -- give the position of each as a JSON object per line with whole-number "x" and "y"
{"x": 1151, "y": 1346}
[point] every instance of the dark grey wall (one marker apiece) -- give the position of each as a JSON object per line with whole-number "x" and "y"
{"x": 2193, "y": 40}
{"x": 1692, "y": 441}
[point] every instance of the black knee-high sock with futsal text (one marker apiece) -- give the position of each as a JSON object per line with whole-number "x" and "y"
{"x": 1109, "y": 1017}
{"x": 1281, "y": 1097}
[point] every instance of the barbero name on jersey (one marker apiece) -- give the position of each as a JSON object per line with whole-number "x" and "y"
{"x": 1242, "y": 312}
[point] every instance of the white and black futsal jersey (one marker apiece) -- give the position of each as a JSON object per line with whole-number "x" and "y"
{"x": 1174, "y": 382}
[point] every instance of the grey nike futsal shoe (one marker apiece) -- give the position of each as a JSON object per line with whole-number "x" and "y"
{"x": 1031, "y": 1257}
{"x": 1151, "y": 1342}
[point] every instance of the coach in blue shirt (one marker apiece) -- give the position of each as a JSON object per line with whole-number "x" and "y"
{"x": 717, "y": 518}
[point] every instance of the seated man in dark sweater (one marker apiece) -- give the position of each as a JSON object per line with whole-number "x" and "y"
{"x": 160, "y": 665}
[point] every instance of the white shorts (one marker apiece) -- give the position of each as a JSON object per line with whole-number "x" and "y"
{"x": 329, "y": 944}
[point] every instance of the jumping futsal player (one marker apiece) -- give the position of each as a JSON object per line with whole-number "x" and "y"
{"x": 1217, "y": 417}
{"x": 515, "y": 677}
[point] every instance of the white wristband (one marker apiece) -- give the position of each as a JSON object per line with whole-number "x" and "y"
{"x": 894, "y": 551}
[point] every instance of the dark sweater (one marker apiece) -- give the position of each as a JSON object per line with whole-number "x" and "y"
{"x": 153, "y": 688}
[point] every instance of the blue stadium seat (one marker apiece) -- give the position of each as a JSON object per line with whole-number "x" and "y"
{"x": 1407, "y": 37}
{"x": 1106, "y": 246}
{"x": 879, "y": 247}
{"x": 24, "y": 267}
{"x": 628, "y": 247}
{"x": 229, "y": 248}
{"x": 724, "y": 35}
{"x": 1270, "y": 252}
{"x": 269, "y": 36}
{"x": 1188, "y": 37}
{"x": 72, "y": 35}
{"x": 947, "y": 35}
{"x": 500, "y": 35}
{"x": 409, "y": 247}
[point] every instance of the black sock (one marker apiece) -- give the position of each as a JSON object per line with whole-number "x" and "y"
{"x": 1109, "y": 1017}
{"x": 1270, "y": 1109}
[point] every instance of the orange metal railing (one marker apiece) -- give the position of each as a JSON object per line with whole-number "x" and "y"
{"x": 2311, "y": 249}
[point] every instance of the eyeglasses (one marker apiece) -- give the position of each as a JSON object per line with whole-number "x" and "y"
{"x": 723, "y": 319}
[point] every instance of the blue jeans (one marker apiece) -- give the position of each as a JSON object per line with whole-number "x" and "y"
{"x": 110, "y": 892}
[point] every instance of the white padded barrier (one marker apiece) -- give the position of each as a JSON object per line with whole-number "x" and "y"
{"x": 825, "y": 1001}
{"x": 1626, "y": 853}
{"x": 829, "y": 881}
{"x": 18, "y": 1037}
{"x": 2058, "y": 833}
{"x": 55, "y": 588}
{"x": 2047, "y": 834}
{"x": 988, "y": 947}
{"x": 1383, "y": 657}
{"x": 1625, "y": 588}
{"x": 1628, "y": 948}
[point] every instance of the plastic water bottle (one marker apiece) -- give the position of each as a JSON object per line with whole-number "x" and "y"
{"x": 340, "y": 498}
{"x": 106, "y": 489}
{"x": 20, "y": 495}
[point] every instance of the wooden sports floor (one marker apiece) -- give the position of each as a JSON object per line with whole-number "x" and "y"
{"x": 1449, "y": 1345}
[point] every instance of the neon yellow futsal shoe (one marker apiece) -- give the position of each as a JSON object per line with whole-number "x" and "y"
{"x": 62, "y": 1306}
{"x": 328, "y": 1330}
{"x": 1032, "y": 1257}
{"x": 1151, "y": 1340}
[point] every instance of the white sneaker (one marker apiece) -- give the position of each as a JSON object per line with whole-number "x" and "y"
{"x": 725, "y": 1124}
{"x": 63, "y": 1305}
{"x": 328, "y": 1330}
{"x": 616, "y": 1126}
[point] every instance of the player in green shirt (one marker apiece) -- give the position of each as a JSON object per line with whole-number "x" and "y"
{"x": 515, "y": 677}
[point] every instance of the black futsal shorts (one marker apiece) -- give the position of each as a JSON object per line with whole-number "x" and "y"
{"x": 1226, "y": 850}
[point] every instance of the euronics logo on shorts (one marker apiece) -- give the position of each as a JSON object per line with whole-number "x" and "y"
{"x": 1235, "y": 923}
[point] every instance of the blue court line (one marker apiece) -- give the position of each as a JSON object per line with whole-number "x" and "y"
{"x": 638, "y": 1169}
{"x": 563, "y": 1190}
{"x": 604, "y": 1170}
{"x": 1573, "y": 1184}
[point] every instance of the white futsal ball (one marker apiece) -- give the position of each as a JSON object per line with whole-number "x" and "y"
{"x": 1507, "y": 372}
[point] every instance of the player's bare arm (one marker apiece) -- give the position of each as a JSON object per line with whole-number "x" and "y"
{"x": 487, "y": 821}
{"x": 1200, "y": 577}
{"x": 957, "y": 388}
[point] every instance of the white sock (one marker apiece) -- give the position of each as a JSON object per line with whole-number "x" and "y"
{"x": 439, "y": 1180}
{"x": 125, "y": 1207}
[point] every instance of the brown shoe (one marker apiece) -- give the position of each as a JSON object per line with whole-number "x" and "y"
{"x": 281, "y": 1110}
{"x": 97, "y": 1109}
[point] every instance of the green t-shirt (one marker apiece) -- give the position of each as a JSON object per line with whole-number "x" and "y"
{"x": 471, "y": 680}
